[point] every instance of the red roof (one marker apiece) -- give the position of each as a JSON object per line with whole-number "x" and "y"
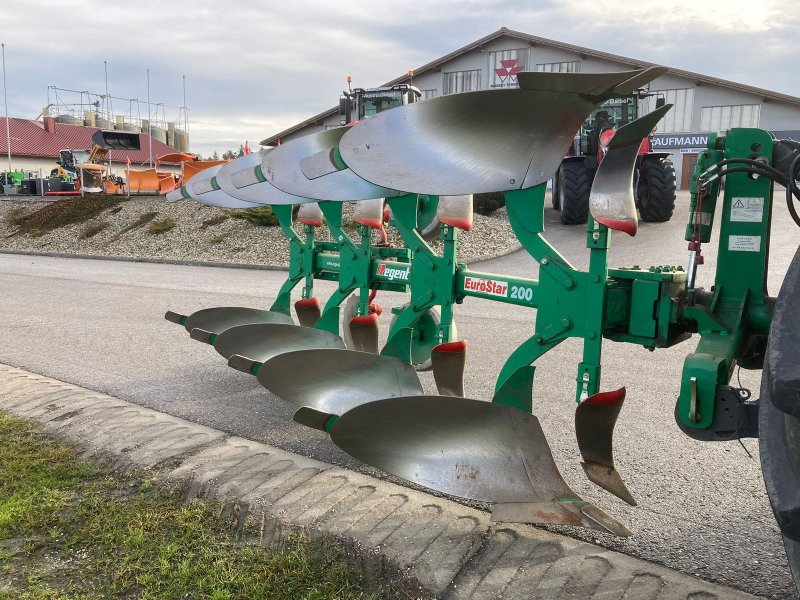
{"x": 29, "y": 138}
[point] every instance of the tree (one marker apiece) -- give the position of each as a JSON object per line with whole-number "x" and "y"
{"x": 215, "y": 156}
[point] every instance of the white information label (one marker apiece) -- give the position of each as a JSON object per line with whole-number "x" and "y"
{"x": 702, "y": 218}
{"x": 750, "y": 210}
{"x": 744, "y": 243}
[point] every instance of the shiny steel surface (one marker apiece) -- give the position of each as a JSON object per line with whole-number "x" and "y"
{"x": 311, "y": 418}
{"x": 612, "y": 201}
{"x": 175, "y": 195}
{"x": 307, "y": 316}
{"x": 245, "y": 184}
{"x": 448, "y": 372}
{"x": 594, "y": 430}
{"x": 201, "y": 189}
{"x": 223, "y": 178}
{"x": 462, "y": 447}
{"x": 485, "y": 141}
{"x": 364, "y": 335}
{"x": 220, "y": 318}
{"x": 262, "y": 341}
{"x": 335, "y": 381}
{"x": 369, "y": 212}
{"x": 281, "y": 167}
{"x": 590, "y": 84}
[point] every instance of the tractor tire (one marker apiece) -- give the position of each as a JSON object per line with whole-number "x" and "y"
{"x": 779, "y": 417}
{"x": 656, "y": 190}
{"x": 574, "y": 185}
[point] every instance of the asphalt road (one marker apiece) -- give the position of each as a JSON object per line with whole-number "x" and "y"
{"x": 702, "y": 506}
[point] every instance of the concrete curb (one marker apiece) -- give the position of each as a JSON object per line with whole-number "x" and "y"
{"x": 452, "y": 551}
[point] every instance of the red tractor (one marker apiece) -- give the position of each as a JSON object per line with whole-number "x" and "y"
{"x": 654, "y": 181}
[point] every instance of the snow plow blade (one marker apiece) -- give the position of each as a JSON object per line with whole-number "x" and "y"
{"x": 117, "y": 140}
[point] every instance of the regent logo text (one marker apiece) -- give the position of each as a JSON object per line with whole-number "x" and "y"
{"x": 391, "y": 273}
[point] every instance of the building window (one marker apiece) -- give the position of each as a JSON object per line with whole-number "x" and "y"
{"x": 461, "y": 81}
{"x": 559, "y": 67}
{"x": 720, "y": 118}
{"x": 679, "y": 118}
{"x": 504, "y": 66}
{"x": 428, "y": 94}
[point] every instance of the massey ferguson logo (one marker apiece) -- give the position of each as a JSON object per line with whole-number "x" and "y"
{"x": 486, "y": 286}
{"x": 392, "y": 273}
{"x": 508, "y": 70}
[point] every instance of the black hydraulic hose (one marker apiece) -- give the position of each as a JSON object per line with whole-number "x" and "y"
{"x": 793, "y": 190}
{"x": 761, "y": 165}
{"x": 752, "y": 171}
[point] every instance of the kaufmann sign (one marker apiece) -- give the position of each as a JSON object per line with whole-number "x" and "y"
{"x": 671, "y": 141}
{"x": 678, "y": 141}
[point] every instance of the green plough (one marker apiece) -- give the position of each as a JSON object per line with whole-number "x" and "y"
{"x": 427, "y": 159}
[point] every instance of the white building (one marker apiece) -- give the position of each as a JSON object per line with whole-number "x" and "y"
{"x": 702, "y": 104}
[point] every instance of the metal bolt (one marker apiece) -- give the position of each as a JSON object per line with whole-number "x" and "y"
{"x": 595, "y": 278}
{"x": 540, "y": 340}
{"x": 586, "y": 376}
{"x": 591, "y": 335}
{"x": 545, "y": 261}
{"x": 596, "y": 235}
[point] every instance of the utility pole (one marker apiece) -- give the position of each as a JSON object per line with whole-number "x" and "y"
{"x": 149, "y": 122}
{"x": 5, "y": 98}
{"x": 185, "y": 117}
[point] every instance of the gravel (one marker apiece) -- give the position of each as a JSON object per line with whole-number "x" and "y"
{"x": 232, "y": 240}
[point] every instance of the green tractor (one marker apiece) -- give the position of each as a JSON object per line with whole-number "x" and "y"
{"x": 654, "y": 178}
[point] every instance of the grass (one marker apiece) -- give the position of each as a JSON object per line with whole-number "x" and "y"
{"x": 259, "y": 215}
{"x": 218, "y": 239}
{"x": 72, "y": 528}
{"x": 216, "y": 220}
{"x": 92, "y": 229}
{"x": 161, "y": 226}
{"x": 140, "y": 221}
{"x": 15, "y": 215}
{"x": 63, "y": 212}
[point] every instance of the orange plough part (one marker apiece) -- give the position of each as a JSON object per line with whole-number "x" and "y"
{"x": 190, "y": 169}
{"x": 144, "y": 182}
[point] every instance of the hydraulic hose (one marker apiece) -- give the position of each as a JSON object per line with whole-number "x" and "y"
{"x": 792, "y": 190}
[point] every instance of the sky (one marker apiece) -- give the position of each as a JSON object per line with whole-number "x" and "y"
{"x": 255, "y": 68}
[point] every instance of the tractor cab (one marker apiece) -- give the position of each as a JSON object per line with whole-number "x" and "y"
{"x": 610, "y": 115}
{"x": 358, "y": 104}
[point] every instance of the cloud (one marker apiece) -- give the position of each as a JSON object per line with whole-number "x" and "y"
{"x": 255, "y": 68}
